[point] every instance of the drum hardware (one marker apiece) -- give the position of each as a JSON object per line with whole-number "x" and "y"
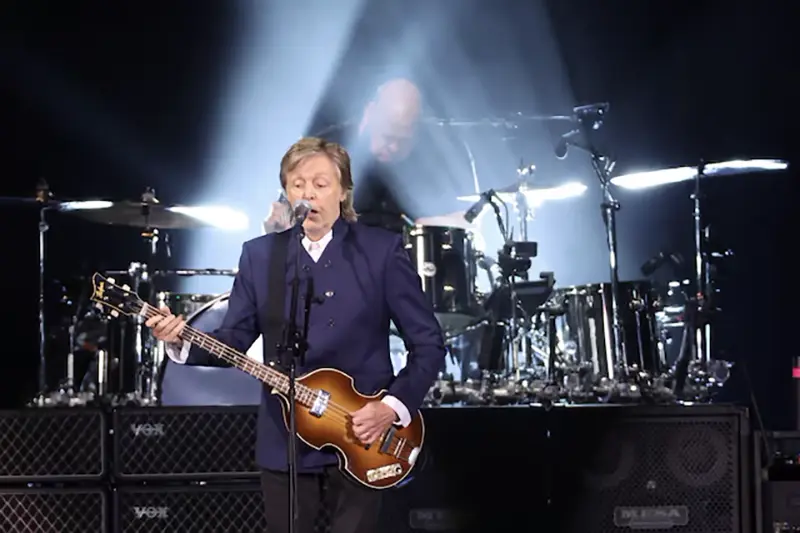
{"x": 43, "y": 200}
{"x": 84, "y": 331}
{"x": 700, "y": 306}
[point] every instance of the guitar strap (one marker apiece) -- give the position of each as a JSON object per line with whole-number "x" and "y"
{"x": 272, "y": 314}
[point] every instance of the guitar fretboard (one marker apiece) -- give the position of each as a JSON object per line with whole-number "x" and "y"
{"x": 262, "y": 372}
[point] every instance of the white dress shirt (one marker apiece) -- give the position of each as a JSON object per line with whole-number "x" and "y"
{"x": 315, "y": 250}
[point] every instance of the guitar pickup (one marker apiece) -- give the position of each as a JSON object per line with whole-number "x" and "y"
{"x": 320, "y": 403}
{"x": 387, "y": 440}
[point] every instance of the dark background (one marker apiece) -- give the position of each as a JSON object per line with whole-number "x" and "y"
{"x": 686, "y": 80}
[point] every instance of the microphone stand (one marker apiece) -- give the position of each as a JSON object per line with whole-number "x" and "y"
{"x": 590, "y": 118}
{"x": 295, "y": 343}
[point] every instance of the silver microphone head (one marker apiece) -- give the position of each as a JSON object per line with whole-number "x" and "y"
{"x": 300, "y": 211}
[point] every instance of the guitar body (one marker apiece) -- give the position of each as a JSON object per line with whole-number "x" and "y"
{"x": 383, "y": 464}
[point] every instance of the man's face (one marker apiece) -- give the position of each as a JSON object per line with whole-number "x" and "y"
{"x": 316, "y": 179}
{"x": 391, "y": 142}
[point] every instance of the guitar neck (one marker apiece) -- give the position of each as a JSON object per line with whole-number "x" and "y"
{"x": 264, "y": 373}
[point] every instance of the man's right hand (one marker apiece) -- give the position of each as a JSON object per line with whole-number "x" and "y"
{"x": 280, "y": 218}
{"x": 166, "y": 326}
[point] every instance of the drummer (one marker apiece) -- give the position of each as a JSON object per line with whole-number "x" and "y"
{"x": 404, "y": 167}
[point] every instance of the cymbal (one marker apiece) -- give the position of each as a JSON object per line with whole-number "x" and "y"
{"x": 643, "y": 180}
{"x": 534, "y": 193}
{"x": 23, "y": 201}
{"x": 155, "y": 215}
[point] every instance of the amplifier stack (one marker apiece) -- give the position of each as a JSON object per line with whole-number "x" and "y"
{"x": 53, "y": 471}
{"x": 570, "y": 469}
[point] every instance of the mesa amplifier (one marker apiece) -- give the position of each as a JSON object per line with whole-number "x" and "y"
{"x": 198, "y": 509}
{"x": 677, "y": 468}
{"x": 185, "y": 443}
{"x": 482, "y": 469}
{"x": 53, "y": 511}
{"x": 52, "y": 444}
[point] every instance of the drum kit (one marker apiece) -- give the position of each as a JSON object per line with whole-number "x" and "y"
{"x": 126, "y": 362}
{"x": 524, "y": 341}
{"x": 595, "y": 343}
{"x": 609, "y": 342}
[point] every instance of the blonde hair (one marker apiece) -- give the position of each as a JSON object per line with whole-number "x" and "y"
{"x": 311, "y": 146}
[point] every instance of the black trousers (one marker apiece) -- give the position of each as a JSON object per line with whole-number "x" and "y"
{"x": 352, "y": 508}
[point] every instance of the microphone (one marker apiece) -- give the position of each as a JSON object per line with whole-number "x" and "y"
{"x": 300, "y": 211}
{"x": 473, "y": 212}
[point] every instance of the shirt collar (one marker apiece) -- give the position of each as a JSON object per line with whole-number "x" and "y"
{"x": 323, "y": 242}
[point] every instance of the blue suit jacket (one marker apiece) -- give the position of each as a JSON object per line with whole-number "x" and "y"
{"x": 363, "y": 279}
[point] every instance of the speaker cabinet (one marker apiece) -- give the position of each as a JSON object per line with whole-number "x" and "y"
{"x": 200, "y": 509}
{"x": 53, "y": 510}
{"x": 185, "y": 443}
{"x": 52, "y": 445}
{"x": 482, "y": 469}
{"x": 678, "y": 468}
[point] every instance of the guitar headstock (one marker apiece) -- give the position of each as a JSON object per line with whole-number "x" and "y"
{"x": 118, "y": 299}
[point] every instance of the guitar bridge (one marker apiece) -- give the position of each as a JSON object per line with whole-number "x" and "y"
{"x": 320, "y": 403}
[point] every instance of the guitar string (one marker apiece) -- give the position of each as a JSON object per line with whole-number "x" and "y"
{"x": 233, "y": 356}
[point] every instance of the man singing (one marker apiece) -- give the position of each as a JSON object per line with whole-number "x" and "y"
{"x": 362, "y": 279}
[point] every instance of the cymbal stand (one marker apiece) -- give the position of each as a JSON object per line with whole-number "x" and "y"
{"x": 696, "y": 366}
{"x": 146, "y": 349}
{"x": 43, "y": 196}
{"x": 702, "y": 331}
{"x": 524, "y": 212}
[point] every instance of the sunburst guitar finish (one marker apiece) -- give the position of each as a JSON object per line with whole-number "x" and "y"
{"x": 383, "y": 464}
{"x": 324, "y": 401}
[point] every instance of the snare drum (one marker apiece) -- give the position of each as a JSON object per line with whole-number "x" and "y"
{"x": 444, "y": 258}
{"x": 200, "y": 385}
{"x": 585, "y": 329}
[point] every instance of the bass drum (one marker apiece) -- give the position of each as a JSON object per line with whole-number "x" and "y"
{"x": 183, "y": 385}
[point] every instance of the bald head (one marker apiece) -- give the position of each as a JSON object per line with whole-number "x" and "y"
{"x": 391, "y": 118}
{"x": 398, "y": 101}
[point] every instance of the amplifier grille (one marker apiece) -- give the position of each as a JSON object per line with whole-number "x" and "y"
{"x": 53, "y": 511}
{"x": 55, "y": 444}
{"x": 185, "y": 443}
{"x": 196, "y": 509}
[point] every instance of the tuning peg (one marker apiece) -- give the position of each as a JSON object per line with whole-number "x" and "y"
{"x": 126, "y": 287}
{"x": 112, "y": 280}
{"x": 114, "y": 313}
